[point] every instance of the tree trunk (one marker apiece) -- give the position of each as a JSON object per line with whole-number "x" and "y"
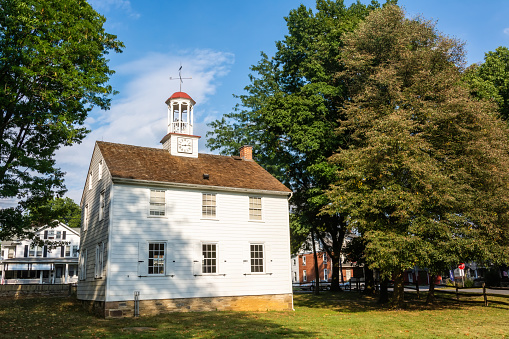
{"x": 398, "y": 296}
{"x": 316, "y": 287}
{"x": 369, "y": 281}
{"x": 430, "y": 299}
{"x": 384, "y": 294}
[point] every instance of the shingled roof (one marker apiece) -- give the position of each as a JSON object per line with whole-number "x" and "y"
{"x": 158, "y": 165}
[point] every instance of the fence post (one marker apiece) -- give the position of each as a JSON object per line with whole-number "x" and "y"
{"x": 457, "y": 294}
{"x": 484, "y": 294}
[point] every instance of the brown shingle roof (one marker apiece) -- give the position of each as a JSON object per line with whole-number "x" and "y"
{"x": 153, "y": 164}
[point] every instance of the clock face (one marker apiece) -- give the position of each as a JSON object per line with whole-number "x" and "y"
{"x": 184, "y": 145}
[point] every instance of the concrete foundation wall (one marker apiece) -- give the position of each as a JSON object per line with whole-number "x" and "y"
{"x": 276, "y": 302}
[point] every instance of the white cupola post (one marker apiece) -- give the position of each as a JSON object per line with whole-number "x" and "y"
{"x": 180, "y": 140}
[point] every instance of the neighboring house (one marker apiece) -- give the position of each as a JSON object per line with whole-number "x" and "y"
{"x": 24, "y": 263}
{"x": 303, "y": 264}
{"x": 173, "y": 230}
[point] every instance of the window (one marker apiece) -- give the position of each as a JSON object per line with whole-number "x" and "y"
{"x": 325, "y": 274}
{"x": 325, "y": 258}
{"x": 59, "y": 234}
{"x": 11, "y": 253}
{"x": 101, "y": 206}
{"x": 100, "y": 174}
{"x": 294, "y": 276}
{"x": 99, "y": 260}
{"x": 35, "y": 251}
{"x": 85, "y": 217}
{"x": 303, "y": 261}
{"x": 75, "y": 251}
{"x": 209, "y": 261}
{"x": 208, "y": 205}
{"x": 256, "y": 258}
{"x": 90, "y": 180}
{"x": 255, "y": 208}
{"x": 83, "y": 265}
{"x": 67, "y": 251}
{"x": 304, "y": 276}
{"x": 51, "y": 234}
{"x": 157, "y": 203}
{"x": 156, "y": 257}
{"x": 294, "y": 262}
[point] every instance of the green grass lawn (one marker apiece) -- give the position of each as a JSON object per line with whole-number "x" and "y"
{"x": 330, "y": 315}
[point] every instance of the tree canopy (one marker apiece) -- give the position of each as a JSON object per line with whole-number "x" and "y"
{"x": 424, "y": 178}
{"x": 62, "y": 209}
{"x": 53, "y": 71}
{"x": 291, "y": 111}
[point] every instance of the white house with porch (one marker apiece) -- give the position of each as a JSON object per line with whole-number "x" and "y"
{"x": 22, "y": 262}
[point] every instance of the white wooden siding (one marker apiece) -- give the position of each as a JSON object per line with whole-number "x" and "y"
{"x": 184, "y": 230}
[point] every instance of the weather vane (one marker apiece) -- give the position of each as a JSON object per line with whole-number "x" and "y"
{"x": 180, "y": 78}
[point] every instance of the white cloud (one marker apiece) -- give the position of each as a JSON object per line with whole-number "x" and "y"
{"x": 138, "y": 116}
{"x": 506, "y": 31}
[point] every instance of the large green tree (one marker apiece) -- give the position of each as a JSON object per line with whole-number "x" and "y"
{"x": 490, "y": 79}
{"x": 290, "y": 114}
{"x": 62, "y": 209}
{"x": 424, "y": 179}
{"x": 53, "y": 71}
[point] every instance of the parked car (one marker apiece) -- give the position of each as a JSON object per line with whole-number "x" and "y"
{"x": 324, "y": 285}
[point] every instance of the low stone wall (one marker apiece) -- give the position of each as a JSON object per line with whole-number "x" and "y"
{"x": 37, "y": 290}
{"x": 275, "y": 302}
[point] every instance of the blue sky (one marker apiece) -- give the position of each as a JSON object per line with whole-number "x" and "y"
{"x": 216, "y": 42}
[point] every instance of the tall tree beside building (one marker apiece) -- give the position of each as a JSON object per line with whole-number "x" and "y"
{"x": 291, "y": 111}
{"x": 425, "y": 177}
{"x": 53, "y": 71}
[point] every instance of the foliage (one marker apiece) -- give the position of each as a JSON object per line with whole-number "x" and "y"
{"x": 53, "y": 71}
{"x": 425, "y": 177}
{"x": 490, "y": 80}
{"x": 290, "y": 114}
{"x": 62, "y": 209}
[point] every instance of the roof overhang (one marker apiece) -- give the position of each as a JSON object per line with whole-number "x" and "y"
{"x": 139, "y": 182}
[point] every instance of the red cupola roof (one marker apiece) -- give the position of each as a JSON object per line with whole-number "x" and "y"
{"x": 182, "y": 95}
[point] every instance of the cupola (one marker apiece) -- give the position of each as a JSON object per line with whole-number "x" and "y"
{"x": 180, "y": 140}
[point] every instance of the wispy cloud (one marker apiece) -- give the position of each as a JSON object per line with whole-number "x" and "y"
{"x": 105, "y": 6}
{"x": 138, "y": 115}
{"x": 506, "y": 31}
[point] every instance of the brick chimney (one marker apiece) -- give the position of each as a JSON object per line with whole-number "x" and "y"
{"x": 246, "y": 152}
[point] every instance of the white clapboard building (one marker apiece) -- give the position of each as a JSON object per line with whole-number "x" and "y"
{"x": 170, "y": 229}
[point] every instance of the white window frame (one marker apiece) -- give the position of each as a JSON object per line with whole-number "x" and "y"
{"x": 157, "y": 207}
{"x": 255, "y": 209}
{"x": 209, "y": 264}
{"x": 303, "y": 260}
{"x": 90, "y": 178}
{"x": 325, "y": 257}
{"x": 209, "y": 205}
{"x": 254, "y": 262}
{"x": 75, "y": 251}
{"x": 101, "y": 205}
{"x": 51, "y": 234}
{"x": 326, "y": 274}
{"x": 100, "y": 174}
{"x": 99, "y": 260}
{"x": 304, "y": 276}
{"x": 156, "y": 262}
{"x": 67, "y": 251}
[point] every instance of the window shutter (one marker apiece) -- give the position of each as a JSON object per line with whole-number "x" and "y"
{"x": 268, "y": 259}
{"x": 45, "y": 252}
{"x": 26, "y": 251}
{"x": 170, "y": 260}
{"x": 198, "y": 257}
{"x": 142, "y": 259}
{"x": 62, "y": 251}
{"x": 246, "y": 262}
{"x": 63, "y": 235}
{"x": 45, "y": 234}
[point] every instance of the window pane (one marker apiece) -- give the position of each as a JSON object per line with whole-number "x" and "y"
{"x": 157, "y": 202}
{"x": 255, "y": 208}
{"x": 209, "y": 263}
{"x": 156, "y": 258}
{"x": 208, "y": 205}
{"x": 256, "y": 258}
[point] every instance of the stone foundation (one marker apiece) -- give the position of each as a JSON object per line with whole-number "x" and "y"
{"x": 115, "y": 309}
{"x": 37, "y": 290}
